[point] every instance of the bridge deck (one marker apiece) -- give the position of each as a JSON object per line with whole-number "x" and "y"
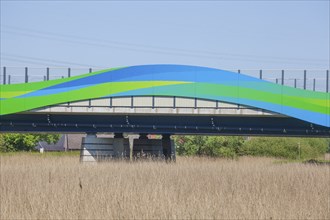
{"x": 161, "y": 124}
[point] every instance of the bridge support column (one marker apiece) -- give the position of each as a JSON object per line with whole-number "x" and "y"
{"x": 94, "y": 149}
{"x": 146, "y": 148}
{"x": 120, "y": 146}
{"x": 168, "y": 147}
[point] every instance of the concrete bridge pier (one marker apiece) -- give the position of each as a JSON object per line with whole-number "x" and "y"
{"x": 94, "y": 149}
{"x": 143, "y": 147}
{"x": 154, "y": 148}
{"x": 120, "y": 146}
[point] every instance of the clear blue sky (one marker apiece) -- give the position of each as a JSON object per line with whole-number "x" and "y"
{"x": 224, "y": 34}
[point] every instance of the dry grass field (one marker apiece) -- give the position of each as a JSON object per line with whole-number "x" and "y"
{"x": 54, "y": 187}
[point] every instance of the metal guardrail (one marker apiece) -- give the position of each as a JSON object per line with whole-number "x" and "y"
{"x": 217, "y": 104}
{"x": 315, "y": 80}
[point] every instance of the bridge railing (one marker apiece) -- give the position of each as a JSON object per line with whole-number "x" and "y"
{"x": 308, "y": 79}
{"x": 311, "y": 79}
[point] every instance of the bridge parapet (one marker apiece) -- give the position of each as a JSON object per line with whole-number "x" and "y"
{"x": 154, "y": 105}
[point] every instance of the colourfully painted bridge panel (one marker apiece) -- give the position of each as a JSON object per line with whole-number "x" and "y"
{"x": 170, "y": 80}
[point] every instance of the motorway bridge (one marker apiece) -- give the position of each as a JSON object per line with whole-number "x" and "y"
{"x": 167, "y": 100}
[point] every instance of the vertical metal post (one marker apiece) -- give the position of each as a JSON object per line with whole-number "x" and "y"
{"x": 110, "y": 102}
{"x": 8, "y": 79}
{"x": 4, "y": 75}
{"x": 174, "y": 102}
{"x": 153, "y": 102}
{"x": 260, "y": 74}
{"x": 282, "y": 78}
{"x": 69, "y": 72}
{"x": 132, "y": 101}
{"x": 47, "y": 73}
{"x": 90, "y": 70}
{"x": 327, "y": 82}
{"x": 295, "y": 83}
{"x": 276, "y": 80}
{"x": 26, "y": 75}
{"x": 305, "y": 78}
{"x": 195, "y": 106}
{"x": 314, "y": 84}
{"x": 239, "y": 71}
{"x": 217, "y": 104}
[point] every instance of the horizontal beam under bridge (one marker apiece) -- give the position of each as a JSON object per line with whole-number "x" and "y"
{"x": 162, "y": 124}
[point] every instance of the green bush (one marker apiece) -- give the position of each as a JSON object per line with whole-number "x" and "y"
{"x": 212, "y": 146}
{"x": 328, "y": 142}
{"x": 231, "y": 147}
{"x": 189, "y": 145}
{"x": 290, "y": 148}
{"x": 24, "y": 142}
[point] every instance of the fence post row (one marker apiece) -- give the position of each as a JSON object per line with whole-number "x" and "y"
{"x": 7, "y": 79}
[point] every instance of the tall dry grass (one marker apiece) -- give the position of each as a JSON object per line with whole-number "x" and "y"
{"x": 34, "y": 187}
